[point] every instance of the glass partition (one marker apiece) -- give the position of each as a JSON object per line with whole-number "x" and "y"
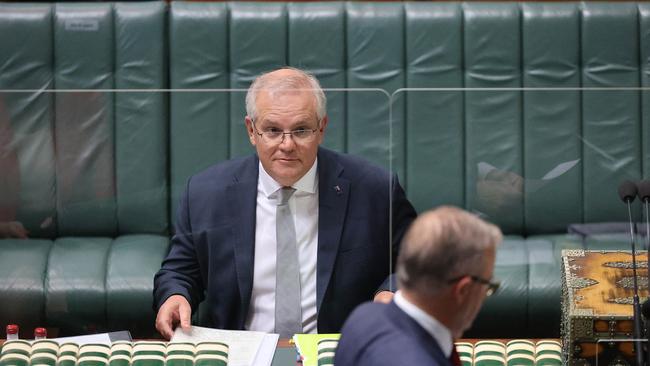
{"x": 545, "y": 165}
{"x": 98, "y": 176}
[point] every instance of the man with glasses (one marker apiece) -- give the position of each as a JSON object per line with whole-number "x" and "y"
{"x": 444, "y": 271}
{"x": 290, "y": 239}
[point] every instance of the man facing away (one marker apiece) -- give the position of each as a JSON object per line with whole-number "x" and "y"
{"x": 444, "y": 273}
{"x": 290, "y": 239}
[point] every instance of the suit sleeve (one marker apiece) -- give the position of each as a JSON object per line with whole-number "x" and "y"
{"x": 180, "y": 272}
{"x": 403, "y": 215}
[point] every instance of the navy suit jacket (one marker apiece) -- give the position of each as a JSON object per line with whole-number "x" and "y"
{"x": 384, "y": 335}
{"x": 212, "y": 251}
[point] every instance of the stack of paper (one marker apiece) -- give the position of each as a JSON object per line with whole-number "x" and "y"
{"x": 246, "y": 348}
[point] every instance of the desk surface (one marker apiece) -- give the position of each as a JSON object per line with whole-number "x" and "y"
{"x": 285, "y": 353}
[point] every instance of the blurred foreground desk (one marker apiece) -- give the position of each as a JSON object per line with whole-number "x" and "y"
{"x": 285, "y": 354}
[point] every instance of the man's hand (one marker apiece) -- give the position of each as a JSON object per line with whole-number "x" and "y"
{"x": 173, "y": 311}
{"x": 13, "y": 229}
{"x": 384, "y": 297}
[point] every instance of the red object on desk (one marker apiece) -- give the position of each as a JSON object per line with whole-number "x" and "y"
{"x": 12, "y": 331}
{"x": 40, "y": 333}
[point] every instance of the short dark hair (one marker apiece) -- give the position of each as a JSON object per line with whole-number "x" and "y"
{"x": 442, "y": 244}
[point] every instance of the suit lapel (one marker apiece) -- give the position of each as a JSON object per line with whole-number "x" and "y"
{"x": 242, "y": 194}
{"x": 334, "y": 192}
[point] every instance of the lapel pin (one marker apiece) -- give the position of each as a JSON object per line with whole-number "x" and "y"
{"x": 338, "y": 190}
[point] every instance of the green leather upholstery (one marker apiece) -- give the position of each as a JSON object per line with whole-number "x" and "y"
{"x": 95, "y": 173}
{"x": 83, "y": 121}
{"x": 493, "y": 119}
{"x": 22, "y": 281}
{"x": 609, "y": 118}
{"x": 130, "y": 266}
{"x": 75, "y": 283}
{"x": 368, "y": 118}
{"x": 141, "y": 131}
{"x": 551, "y": 59}
{"x": 434, "y": 59}
{"x": 509, "y": 306}
{"x": 199, "y": 122}
{"x": 544, "y": 268}
{"x": 644, "y": 47}
{"x": 27, "y": 119}
{"x": 109, "y": 175}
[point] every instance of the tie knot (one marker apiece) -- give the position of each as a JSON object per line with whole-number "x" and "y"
{"x": 284, "y": 195}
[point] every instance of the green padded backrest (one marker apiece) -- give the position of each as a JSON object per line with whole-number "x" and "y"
{"x": 644, "y": 46}
{"x": 434, "y": 132}
{"x": 141, "y": 120}
{"x": 375, "y": 59}
{"x": 108, "y": 175}
{"x": 26, "y": 131}
{"x": 111, "y": 147}
{"x": 199, "y": 134}
{"x": 551, "y": 58}
{"x": 610, "y": 120}
{"x": 84, "y": 131}
{"x": 492, "y": 41}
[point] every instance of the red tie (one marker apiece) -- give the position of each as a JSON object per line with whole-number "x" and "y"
{"x": 454, "y": 358}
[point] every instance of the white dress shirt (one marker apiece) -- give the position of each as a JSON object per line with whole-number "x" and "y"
{"x": 304, "y": 208}
{"x": 439, "y": 332}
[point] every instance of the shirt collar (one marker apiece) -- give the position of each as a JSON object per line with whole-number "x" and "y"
{"x": 439, "y": 332}
{"x": 307, "y": 184}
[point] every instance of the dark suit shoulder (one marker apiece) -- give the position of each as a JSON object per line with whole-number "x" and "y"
{"x": 226, "y": 172}
{"x": 356, "y": 168}
{"x": 379, "y": 334}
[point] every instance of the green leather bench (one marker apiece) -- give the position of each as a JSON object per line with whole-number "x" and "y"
{"x": 99, "y": 167}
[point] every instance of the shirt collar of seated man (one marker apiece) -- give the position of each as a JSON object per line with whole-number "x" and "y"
{"x": 445, "y": 269}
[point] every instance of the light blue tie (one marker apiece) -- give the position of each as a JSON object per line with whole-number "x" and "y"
{"x": 288, "y": 313}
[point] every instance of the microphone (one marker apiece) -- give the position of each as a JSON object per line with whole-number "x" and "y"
{"x": 645, "y": 309}
{"x": 643, "y": 188}
{"x": 627, "y": 191}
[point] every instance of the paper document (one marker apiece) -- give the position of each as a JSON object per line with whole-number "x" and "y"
{"x": 560, "y": 169}
{"x": 245, "y": 348}
{"x": 532, "y": 185}
{"x": 102, "y": 338}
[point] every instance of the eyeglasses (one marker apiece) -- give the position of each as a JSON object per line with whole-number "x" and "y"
{"x": 275, "y": 136}
{"x": 492, "y": 285}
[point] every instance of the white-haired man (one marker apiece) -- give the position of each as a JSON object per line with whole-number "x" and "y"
{"x": 289, "y": 239}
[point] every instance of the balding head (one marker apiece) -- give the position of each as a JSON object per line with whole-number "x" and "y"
{"x": 286, "y": 80}
{"x": 441, "y": 245}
